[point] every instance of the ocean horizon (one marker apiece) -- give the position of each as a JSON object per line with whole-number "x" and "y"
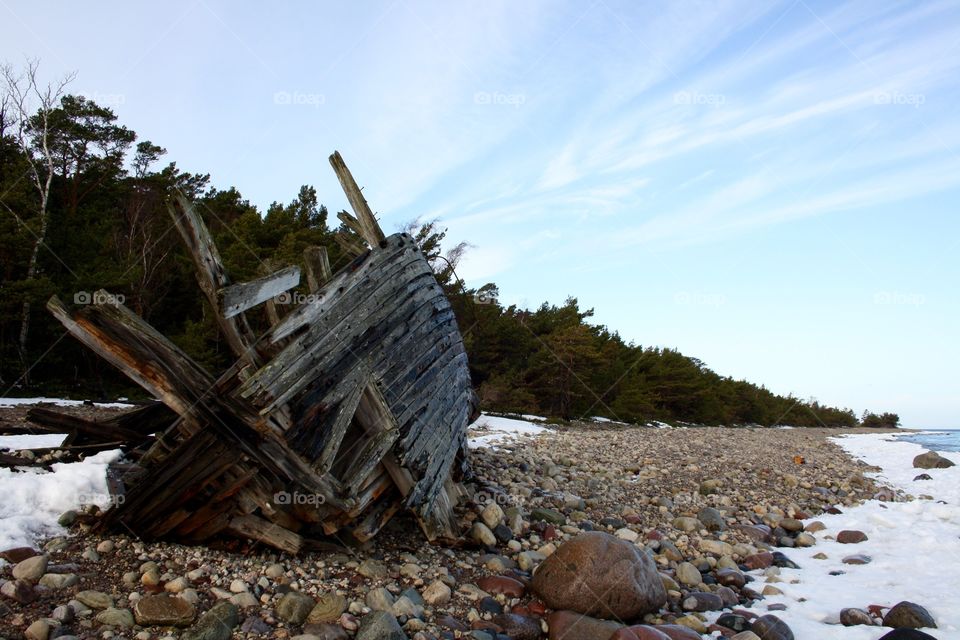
{"x": 934, "y": 439}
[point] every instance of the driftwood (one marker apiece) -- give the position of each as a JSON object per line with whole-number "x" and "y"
{"x": 347, "y": 410}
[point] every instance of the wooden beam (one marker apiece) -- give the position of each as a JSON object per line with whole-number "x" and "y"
{"x": 318, "y": 267}
{"x": 256, "y": 528}
{"x": 137, "y": 350}
{"x": 237, "y": 298}
{"x": 370, "y": 228}
{"x": 211, "y": 275}
{"x": 56, "y": 422}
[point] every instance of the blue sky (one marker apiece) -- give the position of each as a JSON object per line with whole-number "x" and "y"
{"x": 770, "y": 187}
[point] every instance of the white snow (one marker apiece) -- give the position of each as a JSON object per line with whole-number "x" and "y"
{"x": 915, "y": 548}
{"x": 37, "y": 441}
{"x": 33, "y": 500}
{"x": 60, "y": 402}
{"x": 489, "y": 431}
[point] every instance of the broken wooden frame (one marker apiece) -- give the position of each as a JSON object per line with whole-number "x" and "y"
{"x": 350, "y": 408}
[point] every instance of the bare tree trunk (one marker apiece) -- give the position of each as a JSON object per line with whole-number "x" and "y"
{"x": 28, "y": 99}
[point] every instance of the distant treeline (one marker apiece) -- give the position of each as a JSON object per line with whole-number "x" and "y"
{"x": 83, "y": 208}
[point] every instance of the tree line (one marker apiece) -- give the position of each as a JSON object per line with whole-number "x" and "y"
{"x": 83, "y": 207}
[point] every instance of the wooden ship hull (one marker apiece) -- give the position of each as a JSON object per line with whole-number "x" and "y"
{"x": 347, "y": 410}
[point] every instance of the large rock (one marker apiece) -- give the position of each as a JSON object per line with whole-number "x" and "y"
{"x": 855, "y": 617}
{"x": 95, "y": 599}
{"x": 770, "y": 627}
{"x": 215, "y": 624}
{"x": 907, "y": 634}
{"x": 328, "y": 609}
{"x": 851, "y": 536}
{"x": 931, "y": 460}
{"x": 30, "y": 569}
{"x": 294, "y": 607}
{"x": 18, "y": 554}
{"x": 518, "y": 627}
{"x": 908, "y": 615}
{"x": 163, "y": 610}
{"x": 19, "y": 591}
{"x": 639, "y": 632}
{"x": 380, "y": 625}
{"x": 116, "y": 617}
{"x": 569, "y": 625}
{"x": 598, "y": 575}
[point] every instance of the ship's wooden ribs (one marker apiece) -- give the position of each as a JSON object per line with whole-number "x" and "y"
{"x": 237, "y": 298}
{"x": 375, "y": 417}
{"x": 333, "y": 436}
{"x": 360, "y": 395}
{"x": 148, "y": 358}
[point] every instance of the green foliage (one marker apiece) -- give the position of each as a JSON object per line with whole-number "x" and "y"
{"x": 110, "y": 228}
{"x": 882, "y": 421}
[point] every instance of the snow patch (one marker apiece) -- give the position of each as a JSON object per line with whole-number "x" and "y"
{"x": 489, "y": 431}
{"x": 60, "y": 402}
{"x": 33, "y": 499}
{"x": 915, "y": 549}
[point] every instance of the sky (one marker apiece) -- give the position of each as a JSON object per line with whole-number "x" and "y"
{"x": 771, "y": 187}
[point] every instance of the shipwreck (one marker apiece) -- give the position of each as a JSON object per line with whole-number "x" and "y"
{"x": 350, "y": 408}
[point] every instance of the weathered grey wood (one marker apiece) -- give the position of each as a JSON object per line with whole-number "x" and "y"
{"x": 211, "y": 275}
{"x": 318, "y": 267}
{"x": 237, "y": 298}
{"x": 334, "y": 435}
{"x": 352, "y": 223}
{"x": 371, "y": 231}
{"x": 264, "y": 531}
{"x": 131, "y": 345}
{"x": 349, "y": 246}
{"x": 360, "y": 396}
{"x": 377, "y": 420}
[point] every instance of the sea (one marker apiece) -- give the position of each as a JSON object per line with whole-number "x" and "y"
{"x": 935, "y": 439}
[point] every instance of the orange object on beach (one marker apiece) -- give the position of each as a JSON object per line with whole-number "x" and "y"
{"x": 799, "y": 460}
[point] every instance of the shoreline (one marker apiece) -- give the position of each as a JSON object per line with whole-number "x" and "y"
{"x": 648, "y": 485}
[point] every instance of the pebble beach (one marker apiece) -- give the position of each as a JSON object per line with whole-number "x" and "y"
{"x": 584, "y": 530}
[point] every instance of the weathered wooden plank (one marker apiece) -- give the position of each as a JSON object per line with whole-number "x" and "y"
{"x": 289, "y": 370}
{"x": 349, "y": 246}
{"x": 333, "y": 436}
{"x": 145, "y": 356}
{"x": 376, "y": 519}
{"x": 56, "y": 422}
{"x": 318, "y": 267}
{"x": 237, "y": 298}
{"x": 371, "y": 231}
{"x": 211, "y": 275}
{"x": 352, "y": 223}
{"x": 254, "y": 528}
